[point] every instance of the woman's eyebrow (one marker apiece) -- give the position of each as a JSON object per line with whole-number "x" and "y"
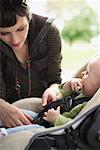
{"x": 22, "y": 26}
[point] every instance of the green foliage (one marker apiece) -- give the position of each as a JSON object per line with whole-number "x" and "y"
{"x": 81, "y": 27}
{"x": 83, "y": 23}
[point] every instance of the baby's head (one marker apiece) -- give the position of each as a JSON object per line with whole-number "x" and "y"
{"x": 91, "y": 77}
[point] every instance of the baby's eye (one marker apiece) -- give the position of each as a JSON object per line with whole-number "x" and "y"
{"x": 86, "y": 72}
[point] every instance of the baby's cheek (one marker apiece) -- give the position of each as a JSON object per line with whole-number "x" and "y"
{"x": 87, "y": 91}
{"x": 85, "y": 87}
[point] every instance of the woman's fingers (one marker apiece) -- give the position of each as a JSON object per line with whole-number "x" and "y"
{"x": 13, "y": 116}
{"x": 28, "y": 117}
{"x": 23, "y": 118}
{"x": 12, "y": 123}
{"x": 49, "y": 95}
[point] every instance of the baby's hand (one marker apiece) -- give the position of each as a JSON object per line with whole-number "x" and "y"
{"x": 76, "y": 84}
{"x": 51, "y": 115}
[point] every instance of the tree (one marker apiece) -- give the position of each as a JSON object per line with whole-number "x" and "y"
{"x": 80, "y": 20}
{"x": 81, "y": 27}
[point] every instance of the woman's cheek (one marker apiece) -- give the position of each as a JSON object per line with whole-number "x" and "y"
{"x": 4, "y": 39}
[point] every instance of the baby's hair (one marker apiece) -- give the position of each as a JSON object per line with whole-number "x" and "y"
{"x": 9, "y": 9}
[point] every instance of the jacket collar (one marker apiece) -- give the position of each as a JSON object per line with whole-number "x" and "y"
{"x": 7, "y": 50}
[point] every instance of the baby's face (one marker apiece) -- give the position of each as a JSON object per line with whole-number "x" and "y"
{"x": 89, "y": 80}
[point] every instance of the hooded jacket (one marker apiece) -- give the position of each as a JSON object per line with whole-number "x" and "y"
{"x": 44, "y": 47}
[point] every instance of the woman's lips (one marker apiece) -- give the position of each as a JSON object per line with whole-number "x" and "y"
{"x": 16, "y": 45}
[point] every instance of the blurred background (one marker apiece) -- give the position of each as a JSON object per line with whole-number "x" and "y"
{"x": 79, "y": 24}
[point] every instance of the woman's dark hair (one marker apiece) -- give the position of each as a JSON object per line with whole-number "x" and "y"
{"x": 9, "y": 9}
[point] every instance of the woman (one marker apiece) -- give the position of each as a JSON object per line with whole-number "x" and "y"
{"x": 30, "y": 57}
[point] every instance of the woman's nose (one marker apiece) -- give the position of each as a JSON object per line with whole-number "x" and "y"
{"x": 14, "y": 39}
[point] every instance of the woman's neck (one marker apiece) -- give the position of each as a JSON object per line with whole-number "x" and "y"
{"x": 22, "y": 54}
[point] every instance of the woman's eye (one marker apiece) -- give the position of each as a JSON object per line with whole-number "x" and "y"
{"x": 3, "y": 33}
{"x": 20, "y": 29}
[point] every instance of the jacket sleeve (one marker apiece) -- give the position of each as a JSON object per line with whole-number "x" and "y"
{"x": 67, "y": 116}
{"x": 2, "y": 85}
{"x": 61, "y": 120}
{"x": 54, "y": 56}
{"x": 74, "y": 112}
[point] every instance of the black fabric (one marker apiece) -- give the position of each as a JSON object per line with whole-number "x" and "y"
{"x": 48, "y": 142}
{"x": 40, "y": 143}
{"x": 87, "y": 135}
{"x": 90, "y": 130}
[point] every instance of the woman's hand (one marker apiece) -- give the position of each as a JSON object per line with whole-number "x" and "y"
{"x": 52, "y": 115}
{"x": 13, "y": 116}
{"x": 51, "y": 94}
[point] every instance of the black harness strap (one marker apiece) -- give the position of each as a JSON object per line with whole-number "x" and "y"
{"x": 66, "y": 104}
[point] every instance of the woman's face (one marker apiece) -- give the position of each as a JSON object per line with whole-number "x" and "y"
{"x": 15, "y": 36}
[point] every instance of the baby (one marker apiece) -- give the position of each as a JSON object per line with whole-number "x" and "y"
{"x": 89, "y": 83}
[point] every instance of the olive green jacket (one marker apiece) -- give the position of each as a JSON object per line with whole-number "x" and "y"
{"x": 67, "y": 116}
